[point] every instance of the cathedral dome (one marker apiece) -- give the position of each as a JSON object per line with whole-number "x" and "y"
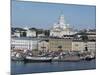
{"x": 60, "y": 28}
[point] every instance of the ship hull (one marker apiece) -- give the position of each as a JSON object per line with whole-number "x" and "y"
{"x": 38, "y": 59}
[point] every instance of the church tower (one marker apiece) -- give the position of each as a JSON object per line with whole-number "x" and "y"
{"x": 61, "y": 19}
{"x": 61, "y": 22}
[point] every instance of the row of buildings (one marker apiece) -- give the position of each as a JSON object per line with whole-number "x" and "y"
{"x": 52, "y": 44}
{"x": 61, "y": 37}
{"x": 23, "y": 32}
{"x": 59, "y": 29}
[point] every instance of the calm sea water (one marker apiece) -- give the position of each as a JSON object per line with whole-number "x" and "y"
{"x": 23, "y": 68}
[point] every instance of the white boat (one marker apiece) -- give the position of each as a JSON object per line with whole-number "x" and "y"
{"x": 38, "y": 59}
{"x": 16, "y": 57}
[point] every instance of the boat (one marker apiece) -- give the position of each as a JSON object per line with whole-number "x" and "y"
{"x": 38, "y": 59}
{"x": 67, "y": 59}
{"x": 89, "y": 57}
{"x": 16, "y": 57}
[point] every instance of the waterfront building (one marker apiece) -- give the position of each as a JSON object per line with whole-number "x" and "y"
{"x": 60, "y": 28}
{"x": 79, "y": 45}
{"x": 91, "y": 34}
{"x": 24, "y": 43}
{"x": 56, "y": 44}
{"x": 91, "y": 45}
{"x": 41, "y": 35}
{"x": 16, "y": 34}
{"x": 30, "y": 32}
{"x": 43, "y": 45}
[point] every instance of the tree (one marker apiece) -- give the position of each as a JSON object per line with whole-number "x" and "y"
{"x": 39, "y": 31}
{"x": 24, "y": 34}
{"x": 84, "y": 37}
{"x": 47, "y": 32}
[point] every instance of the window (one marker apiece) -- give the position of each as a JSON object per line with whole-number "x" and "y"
{"x": 76, "y": 44}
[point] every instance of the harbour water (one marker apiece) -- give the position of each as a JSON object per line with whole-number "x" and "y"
{"x": 40, "y": 67}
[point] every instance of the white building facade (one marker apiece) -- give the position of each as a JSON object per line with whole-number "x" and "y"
{"x": 81, "y": 46}
{"x": 61, "y": 28}
{"x": 78, "y": 46}
{"x": 91, "y": 46}
{"x": 41, "y": 35}
{"x": 31, "y": 33}
{"x": 24, "y": 43}
{"x": 17, "y": 34}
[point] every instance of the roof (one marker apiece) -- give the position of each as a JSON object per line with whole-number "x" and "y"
{"x": 85, "y": 33}
{"x": 83, "y": 40}
{"x": 24, "y": 38}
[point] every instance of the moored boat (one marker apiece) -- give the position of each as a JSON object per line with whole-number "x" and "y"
{"x": 67, "y": 59}
{"x": 16, "y": 57}
{"x": 38, "y": 59}
{"x": 89, "y": 57}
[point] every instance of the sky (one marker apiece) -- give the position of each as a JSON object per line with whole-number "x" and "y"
{"x": 44, "y": 15}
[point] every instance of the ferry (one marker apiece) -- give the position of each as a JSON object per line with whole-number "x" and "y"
{"x": 17, "y": 59}
{"x": 38, "y": 59}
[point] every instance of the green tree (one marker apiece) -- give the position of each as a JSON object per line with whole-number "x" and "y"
{"x": 84, "y": 37}
{"x": 47, "y": 32}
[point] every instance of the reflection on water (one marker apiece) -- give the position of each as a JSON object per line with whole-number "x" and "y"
{"x": 22, "y": 67}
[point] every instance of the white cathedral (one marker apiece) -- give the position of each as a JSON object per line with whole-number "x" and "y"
{"x": 60, "y": 28}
